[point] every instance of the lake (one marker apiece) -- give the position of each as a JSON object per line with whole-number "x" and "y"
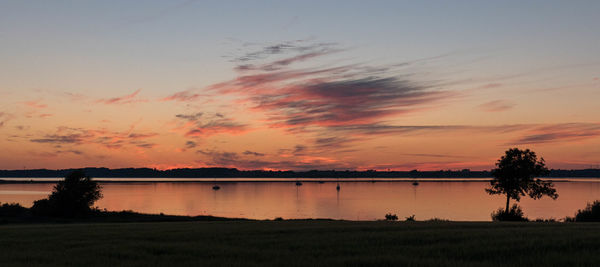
{"x": 360, "y": 199}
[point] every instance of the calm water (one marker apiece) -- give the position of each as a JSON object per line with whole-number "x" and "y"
{"x": 366, "y": 200}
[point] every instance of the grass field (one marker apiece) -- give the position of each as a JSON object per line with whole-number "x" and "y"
{"x": 300, "y": 243}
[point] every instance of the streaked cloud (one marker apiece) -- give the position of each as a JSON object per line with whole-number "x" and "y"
{"x": 249, "y": 162}
{"x": 562, "y": 132}
{"x": 36, "y": 104}
{"x": 497, "y": 105}
{"x": 183, "y": 96}
{"x": 321, "y": 100}
{"x": 203, "y": 125}
{"x": 190, "y": 144}
{"x": 126, "y": 99}
{"x": 252, "y": 153}
{"x": 107, "y": 139}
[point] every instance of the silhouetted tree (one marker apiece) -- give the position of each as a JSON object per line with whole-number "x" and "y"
{"x": 591, "y": 213}
{"x": 73, "y": 196}
{"x": 515, "y": 177}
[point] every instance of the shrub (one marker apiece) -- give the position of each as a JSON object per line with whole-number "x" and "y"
{"x": 71, "y": 197}
{"x": 12, "y": 210}
{"x": 42, "y": 207}
{"x": 391, "y": 217}
{"x": 410, "y": 218}
{"x": 515, "y": 214}
{"x": 591, "y": 213}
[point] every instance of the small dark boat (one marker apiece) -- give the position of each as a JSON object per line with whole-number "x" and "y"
{"x": 321, "y": 182}
{"x": 415, "y": 183}
{"x": 216, "y": 187}
{"x": 298, "y": 183}
{"x": 337, "y": 187}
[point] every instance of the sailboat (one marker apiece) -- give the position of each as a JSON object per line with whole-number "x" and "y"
{"x": 216, "y": 187}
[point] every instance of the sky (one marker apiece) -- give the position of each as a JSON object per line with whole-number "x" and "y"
{"x": 300, "y": 85}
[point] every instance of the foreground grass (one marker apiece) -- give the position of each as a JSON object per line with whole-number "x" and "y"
{"x": 300, "y": 243}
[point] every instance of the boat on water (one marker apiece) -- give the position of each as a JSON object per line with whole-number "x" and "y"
{"x": 337, "y": 187}
{"x": 216, "y": 187}
{"x": 415, "y": 183}
{"x": 298, "y": 183}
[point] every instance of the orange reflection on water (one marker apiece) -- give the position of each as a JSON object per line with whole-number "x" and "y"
{"x": 465, "y": 201}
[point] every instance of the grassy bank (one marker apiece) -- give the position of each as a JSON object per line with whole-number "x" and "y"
{"x": 297, "y": 243}
{"x": 108, "y": 217}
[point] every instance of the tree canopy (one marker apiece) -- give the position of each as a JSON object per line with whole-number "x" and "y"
{"x": 515, "y": 176}
{"x": 73, "y": 196}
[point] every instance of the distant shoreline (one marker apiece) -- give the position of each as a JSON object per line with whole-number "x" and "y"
{"x": 232, "y": 173}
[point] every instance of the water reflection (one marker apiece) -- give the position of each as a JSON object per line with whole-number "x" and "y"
{"x": 354, "y": 200}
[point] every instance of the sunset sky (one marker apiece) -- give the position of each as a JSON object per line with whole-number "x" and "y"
{"x": 397, "y": 85}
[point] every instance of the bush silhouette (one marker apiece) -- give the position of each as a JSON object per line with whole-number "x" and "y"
{"x": 71, "y": 197}
{"x": 391, "y": 217}
{"x": 12, "y": 210}
{"x": 515, "y": 214}
{"x": 591, "y": 213}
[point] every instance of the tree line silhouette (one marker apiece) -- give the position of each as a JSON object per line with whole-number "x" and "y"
{"x": 235, "y": 173}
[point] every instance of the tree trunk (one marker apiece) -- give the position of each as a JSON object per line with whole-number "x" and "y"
{"x": 507, "y": 200}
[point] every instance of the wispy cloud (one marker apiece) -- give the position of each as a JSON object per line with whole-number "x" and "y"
{"x": 183, "y": 96}
{"x": 36, "y": 104}
{"x": 190, "y": 144}
{"x": 296, "y": 46}
{"x": 190, "y": 117}
{"x": 108, "y": 139}
{"x": 203, "y": 125}
{"x": 322, "y": 99}
{"x": 126, "y": 99}
{"x": 249, "y": 162}
{"x": 497, "y": 105}
{"x": 559, "y": 133}
{"x": 252, "y": 153}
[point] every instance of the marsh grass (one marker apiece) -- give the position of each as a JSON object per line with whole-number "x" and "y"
{"x": 300, "y": 243}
